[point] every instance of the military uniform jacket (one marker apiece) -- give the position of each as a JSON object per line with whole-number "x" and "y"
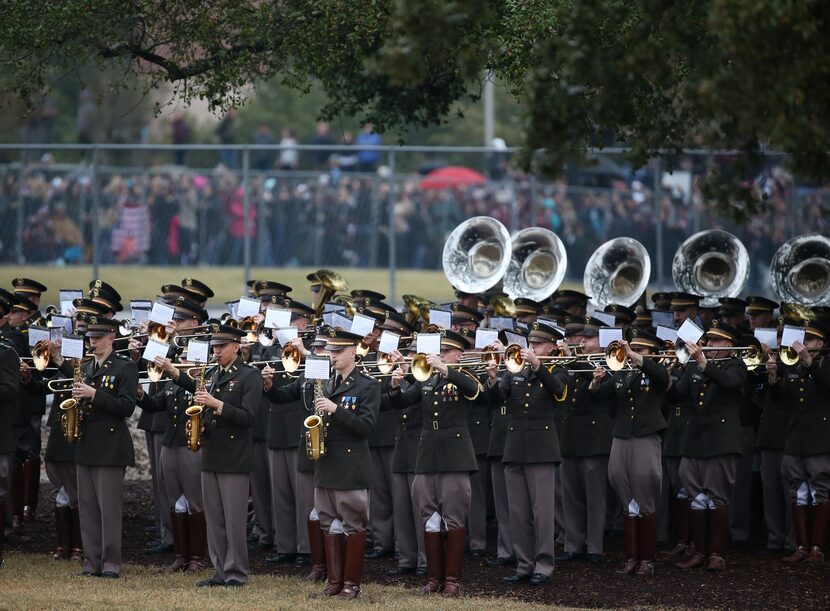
{"x": 57, "y": 448}
{"x": 775, "y": 413}
{"x": 639, "y": 395}
{"x": 444, "y": 445}
{"x": 285, "y": 421}
{"x": 171, "y": 401}
{"x": 807, "y": 392}
{"x": 587, "y": 424}
{"x": 531, "y": 397}
{"x": 226, "y": 440}
{"x": 105, "y": 439}
{"x": 479, "y": 423}
{"x": 674, "y": 411}
{"x": 29, "y": 402}
{"x": 410, "y": 423}
{"x": 713, "y": 397}
{"x": 9, "y": 390}
{"x": 386, "y": 428}
{"x": 346, "y": 464}
{"x": 498, "y": 428}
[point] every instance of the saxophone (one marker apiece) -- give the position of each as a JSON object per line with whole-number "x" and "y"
{"x": 193, "y": 427}
{"x": 71, "y": 408}
{"x": 315, "y": 433}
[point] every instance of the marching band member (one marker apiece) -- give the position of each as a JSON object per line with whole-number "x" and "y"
{"x": 634, "y": 466}
{"x": 350, "y": 404}
{"x": 531, "y": 451}
{"x": 806, "y": 462}
{"x": 446, "y": 458}
{"x": 714, "y": 390}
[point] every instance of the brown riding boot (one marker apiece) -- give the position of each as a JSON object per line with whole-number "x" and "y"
{"x": 801, "y": 538}
{"x": 77, "y": 544}
{"x": 318, "y": 551}
{"x": 434, "y": 551}
{"x": 17, "y": 496}
{"x": 630, "y": 524}
{"x": 697, "y": 529}
{"x": 63, "y": 529}
{"x": 647, "y": 544}
{"x": 353, "y": 571}
{"x": 179, "y": 523}
{"x": 335, "y": 552}
{"x": 680, "y": 513}
{"x": 821, "y": 520}
{"x": 718, "y": 537}
{"x": 196, "y": 541}
{"x": 31, "y": 488}
{"x": 453, "y": 561}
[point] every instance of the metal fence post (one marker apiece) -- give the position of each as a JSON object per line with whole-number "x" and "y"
{"x": 246, "y": 206}
{"x": 21, "y": 204}
{"x": 534, "y": 199}
{"x": 95, "y": 213}
{"x": 393, "y": 187}
{"x": 658, "y": 224}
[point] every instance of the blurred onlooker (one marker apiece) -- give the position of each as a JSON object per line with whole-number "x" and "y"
{"x": 181, "y": 135}
{"x": 263, "y": 159}
{"x": 322, "y": 137}
{"x": 289, "y": 155}
{"x": 68, "y": 238}
{"x": 497, "y": 160}
{"x": 347, "y": 160}
{"x": 86, "y": 120}
{"x": 367, "y": 161}
{"x": 226, "y": 132}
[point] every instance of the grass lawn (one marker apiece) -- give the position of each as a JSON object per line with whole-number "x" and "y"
{"x": 144, "y": 282}
{"x": 37, "y": 582}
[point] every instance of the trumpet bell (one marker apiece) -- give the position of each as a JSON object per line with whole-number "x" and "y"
{"x": 154, "y": 372}
{"x": 362, "y": 349}
{"x": 290, "y": 358}
{"x": 513, "y": 360}
{"x": 476, "y": 254}
{"x": 800, "y": 270}
{"x": 537, "y": 266}
{"x": 615, "y": 356}
{"x": 712, "y": 264}
{"x": 385, "y": 365}
{"x": 157, "y": 332}
{"x": 788, "y": 356}
{"x": 125, "y": 327}
{"x": 681, "y": 352}
{"x": 503, "y": 306}
{"x": 753, "y": 358}
{"x": 421, "y": 370}
{"x": 40, "y": 355}
{"x": 618, "y": 272}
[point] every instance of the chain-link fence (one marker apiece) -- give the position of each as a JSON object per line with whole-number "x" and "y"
{"x": 67, "y": 205}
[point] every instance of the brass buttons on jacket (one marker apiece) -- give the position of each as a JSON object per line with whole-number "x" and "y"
{"x": 348, "y": 450}
{"x": 434, "y": 413}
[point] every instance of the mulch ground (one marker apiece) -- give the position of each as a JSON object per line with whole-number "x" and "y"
{"x": 752, "y": 581}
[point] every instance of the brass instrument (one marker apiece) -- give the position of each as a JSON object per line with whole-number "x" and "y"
{"x": 315, "y": 433}
{"x": 330, "y": 283}
{"x": 248, "y": 325}
{"x": 413, "y": 307}
{"x": 800, "y": 271}
{"x": 537, "y": 266}
{"x": 71, "y": 408}
{"x": 712, "y": 264}
{"x": 40, "y": 354}
{"x": 193, "y": 427}
{"x": 476, "y": 254}
{"x": 751, "y": 354}
{"x": 291, "y": 358}
{"x": 617, "y": 272}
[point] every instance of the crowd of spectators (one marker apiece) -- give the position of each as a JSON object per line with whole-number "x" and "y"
{"x": 339, "y": 216}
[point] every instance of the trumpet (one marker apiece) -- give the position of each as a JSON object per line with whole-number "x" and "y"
{"x": 790, "y": 357}
{"x": 681, "y": 351}
{"x": 40, "y": 355}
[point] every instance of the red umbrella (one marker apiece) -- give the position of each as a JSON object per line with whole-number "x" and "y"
{"x": 451, "y": 176}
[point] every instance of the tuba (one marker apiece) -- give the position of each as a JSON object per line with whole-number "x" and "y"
{"x": 315, "y": 429}
{"x": 476, "y": 254}
{"x": 712, "y": 264}
{"x": 193, "y": 427}
{"x": 71, "y": 408}
{"x": 537, "y": 266}
{"x": 330, "y": 283}
{"x": 617, "y": 272}
{"x": 800, "y": 271}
